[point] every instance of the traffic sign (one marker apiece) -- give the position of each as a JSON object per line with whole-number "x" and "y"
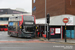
{"x": 65, "y": 20}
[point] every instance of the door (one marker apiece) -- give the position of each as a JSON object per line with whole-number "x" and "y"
{"x": 70, "y": 34}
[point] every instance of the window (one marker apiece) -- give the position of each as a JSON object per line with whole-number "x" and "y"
{"x": 3, "y": 26}
{"x": 34, "y": 8}
{"x": 28, "y": 18}
{"x": 28, "y": 29}
{"x": 13, "y": 23}
{"x": 1, "y": 10}
{"x": 4, "y": 19}
{"x": 34, "y": 1}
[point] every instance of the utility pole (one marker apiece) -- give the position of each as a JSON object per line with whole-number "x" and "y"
{"x": 45, "y": 19}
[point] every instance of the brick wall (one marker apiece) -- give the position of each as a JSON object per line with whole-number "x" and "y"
{"x": 70, "y": 7}
{"x": 54, "y": 7}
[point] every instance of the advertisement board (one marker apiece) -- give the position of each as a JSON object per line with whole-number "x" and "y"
{"x": 52, "y": 31}
{"x": 70, "y": 21}
{"x": 57, "y": 31}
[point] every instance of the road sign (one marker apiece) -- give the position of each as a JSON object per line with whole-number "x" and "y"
{"x": 65, "y": 20}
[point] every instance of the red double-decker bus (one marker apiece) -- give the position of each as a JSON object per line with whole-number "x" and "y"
{"x": 3, "y": 23}
{"x": 22, "y": 26}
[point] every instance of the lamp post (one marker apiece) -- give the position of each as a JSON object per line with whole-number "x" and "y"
{"x": 45, "y": 17}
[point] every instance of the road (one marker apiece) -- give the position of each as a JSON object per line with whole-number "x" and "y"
{"x": 5, "y": 37}
{"x": 35, "y": 46}
{"x": 30, "y": 45}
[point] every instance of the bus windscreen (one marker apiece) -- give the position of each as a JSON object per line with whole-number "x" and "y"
{"x": 29, "y": 29}
{"x": 28, "y": 18}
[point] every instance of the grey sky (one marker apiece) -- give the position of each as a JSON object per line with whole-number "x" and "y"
{"x": 25, "y": 4}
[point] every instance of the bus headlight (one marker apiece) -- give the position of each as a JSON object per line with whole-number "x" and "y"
{"x": 20, "y": 26}
{"x": 36, "y": 27}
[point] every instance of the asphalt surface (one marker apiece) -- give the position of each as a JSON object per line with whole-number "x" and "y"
{"x": 35, "y": 46}
{"x": 5, "y": 37}
{"x": 27, "y": 44}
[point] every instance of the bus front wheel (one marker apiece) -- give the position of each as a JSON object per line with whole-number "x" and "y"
{"x": 18, "y": 35}
{"x": 10, "y": 34}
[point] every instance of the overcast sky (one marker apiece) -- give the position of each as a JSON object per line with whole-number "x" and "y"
{"x": 25, "y": 4}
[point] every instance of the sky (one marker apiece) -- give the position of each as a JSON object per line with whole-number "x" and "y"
{"x": 13, "y": 4}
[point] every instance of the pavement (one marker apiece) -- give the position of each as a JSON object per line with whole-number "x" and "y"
{"x": 68, "y": 41}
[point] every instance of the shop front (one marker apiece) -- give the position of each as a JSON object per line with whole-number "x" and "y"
{"x": 57, "y": 27}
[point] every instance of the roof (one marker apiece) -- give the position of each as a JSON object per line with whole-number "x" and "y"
{"x": 17, "y": 9}
{"x": 11, "y": 15}
{"x": 58, "y": 20}
{"x": 42, "y": 20}
{"x": 4, "y": 8}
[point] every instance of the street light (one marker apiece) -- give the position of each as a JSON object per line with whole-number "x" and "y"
{"x": 47, "y": 21}
{"x": 45, "y": 17}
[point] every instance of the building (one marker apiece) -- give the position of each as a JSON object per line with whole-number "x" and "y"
{"x": 53, "y": 7}
{"x": 58, "y": 9}
{"x": 12, "y": 11}
{"x": 5, "y": 13}
{"x": 57, "y": 26}
{"x": 70, "y": 7}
